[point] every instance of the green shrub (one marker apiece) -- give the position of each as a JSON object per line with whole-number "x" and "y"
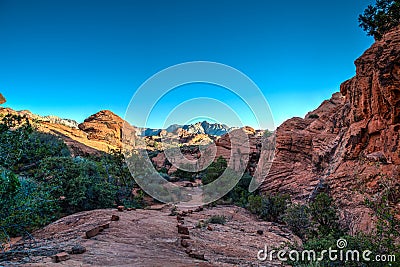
{"x": 324, "y": 216}
{"x": 297, "y": 218}
{"x": 268, "y": 133}
{"x": 217, "y": 219}
{"x": 41, "y": 145}
{"x": 14, "y": 135}
{"x": 114, "y": 166}
{"x": 21, "y": 147}
{"x": 24, "y": 205}
{"x": 387, "y": 225}
{"x": 255, "y": 204}
{"x": 78, "y": 182}
{"x": 359, "y": 242}
{"x": 318, "y": 226}
{"x": 128, "y": 200}
{"x": 240, "y": 193}
{"x": 185, "y": 175}
{"x": 270, "y": 207}
{"x": 214, "y": 171}
{"x": 313, "y": 116}
{"x": 54, "y": 183}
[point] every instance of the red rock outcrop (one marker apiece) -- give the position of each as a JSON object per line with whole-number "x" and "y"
{"x": 106, "y": 127}
{"x": 350, "y": 142}
{"x": 2, "y": 99}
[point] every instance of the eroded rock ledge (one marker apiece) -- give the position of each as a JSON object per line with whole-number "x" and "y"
{"x": 350, "y": 141}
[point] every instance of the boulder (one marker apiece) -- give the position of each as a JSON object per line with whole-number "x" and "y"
{"x": 78, "y": 249}
{"x": 114, "y": 218}
{"x": 185, "y": 243}
{"x": 95, "y": 231}
{"x": 63, "y": 256}
{"x": 183, "y": 230}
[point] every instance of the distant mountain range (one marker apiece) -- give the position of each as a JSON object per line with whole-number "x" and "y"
{"x": 103, "y": 131}
{"x": 203, "y": 127}
{"x": 35, "y": 117}
{"x": 215, "y": 129}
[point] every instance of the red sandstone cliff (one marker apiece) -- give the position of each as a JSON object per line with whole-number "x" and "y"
{"x": 350, "y": 142}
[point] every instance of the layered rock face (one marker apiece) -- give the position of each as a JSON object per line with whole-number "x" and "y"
{"x": 350, "y": 142}
{"x": 106, "y": 127}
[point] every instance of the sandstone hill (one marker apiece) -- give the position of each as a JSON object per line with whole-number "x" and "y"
{"x": 94, "y": 138}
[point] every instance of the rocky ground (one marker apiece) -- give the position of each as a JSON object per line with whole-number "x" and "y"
{"x": 153, "y": 237}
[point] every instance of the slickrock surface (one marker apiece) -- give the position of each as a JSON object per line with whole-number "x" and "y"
{"x": 150, "y": 238}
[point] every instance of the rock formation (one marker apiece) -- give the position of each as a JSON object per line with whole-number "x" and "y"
{"x": 104, "y": 126}
{"x": 2, "y": 99}
{"x": 99, "y": 133}
{"x": 223, "y": 148}
{"x": 350, "y": 142}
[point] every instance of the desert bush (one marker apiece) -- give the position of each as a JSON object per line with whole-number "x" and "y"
{"x": 217, "y": 219}
{"x": 255, "y": 204}
{"x": 269, "y": 207}
{"x": 240, "y": 193}
{"x": 323, "y": 231}
{"x": 297, "y": 218}
{"x": 21, "y": 146}
{"x": 214, "y": 171}
{"x": 185, "y": 175}
{"x": 388, "y": 225}
{"x": 360, "y": 242}
{"x": 324, "y": 216}
{"x": 24, "y": 205}
{"x": 127, "y": 199}
{"x": 268, "y": 133}
{"x": 313, "y": 116}
{"x": 114, "y": 166}
{"x": 78, "y": 182}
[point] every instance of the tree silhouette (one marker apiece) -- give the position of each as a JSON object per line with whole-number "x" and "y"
{"x": 380, "y": 18}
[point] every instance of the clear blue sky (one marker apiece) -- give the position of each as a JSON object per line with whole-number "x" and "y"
{"x": 74, "y": 58}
